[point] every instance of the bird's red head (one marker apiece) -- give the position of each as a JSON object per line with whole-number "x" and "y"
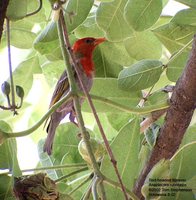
{"x": 83, "y": 49}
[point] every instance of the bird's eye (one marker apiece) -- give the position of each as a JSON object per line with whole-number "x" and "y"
{"x": 89, "y": 41}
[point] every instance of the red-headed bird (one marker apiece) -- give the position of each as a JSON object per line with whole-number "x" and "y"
{"x": 83, "y": 50}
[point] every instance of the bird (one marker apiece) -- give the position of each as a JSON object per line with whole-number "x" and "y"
{"x": 83, "y": 50}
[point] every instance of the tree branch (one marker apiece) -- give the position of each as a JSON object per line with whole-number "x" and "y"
{"x": 3, "y": 8}
{"x": 178, "y": 117}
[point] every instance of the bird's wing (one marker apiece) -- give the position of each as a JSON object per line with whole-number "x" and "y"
{"x": 62, "y": 87}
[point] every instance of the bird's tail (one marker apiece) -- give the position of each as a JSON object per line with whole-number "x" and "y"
{"x": 51, "y": 129}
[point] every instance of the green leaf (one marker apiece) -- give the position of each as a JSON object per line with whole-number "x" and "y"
{"x": 182, "y": 165}
{"x": 159, "y": 171}
{"x": 144, "y": 155}
{"x": 46, "y": 161}
{"x": 151, "y": 134}
{"x": 128, "y": 140}
{"x": 156, "y": 97}
{"x": 191, "y": 3}
{"x": 141, "y": 15}
{"x": 8, "y": 152}
{"x": 103, "y": 66}
{"x": 53, "y": 70}
{"x": 175, "y": 67}
{"x": 105, "y": 0}
{"x": 175, "y": 37}
{"x": 6, "y": 192}
{"x": 109, "y": 130}
{"x": 47, "y": 39}
{"x": 140, "y": 75}
{"x": 89, "y": 28}
{"x": 17, "y": 9}
{"x": 108, "y": 88}
{"x": 110, "y": 18}
{"x": 24, "y": 42}
{"x": 185, "y": 17}
{"x": 118, "y": 120}
{"x": 38, "y": 17}
{"x": 182, "y": 168}
{"x": 143, "y": 45}
{"x": 66, "y": 144}
{"x": 80, "y": 10}
{"x": 191, "y": 183}
{"x": 116, "y": 52}
{"x": 23, "y": 75}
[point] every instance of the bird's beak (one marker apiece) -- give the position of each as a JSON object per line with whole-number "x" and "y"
{"x": 99, "y": 40}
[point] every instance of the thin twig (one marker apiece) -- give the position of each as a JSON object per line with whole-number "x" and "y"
{"x": 13, "y": 104}
{"x": 81, "y": 184}
{"x": 55, "y": 167}
{"x": 42, "y": 120}
{"x": 135, "y": 110}
{"x": 94, "y": 188}
{"x": 71, "y": 174}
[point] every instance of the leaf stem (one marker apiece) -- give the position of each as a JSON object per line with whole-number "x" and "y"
{"x": 71, "y": 174}
{"x": 179, "y": 52}
{"x": 48, "y": 168}
{"x": 134, "y": 110}
{"x": 81, "y": 184}
{"x": 38, "y": 124}
{"x": 37, "y": 10}
{"x": 94, "y": 188}
{"x": 13, "y": 104}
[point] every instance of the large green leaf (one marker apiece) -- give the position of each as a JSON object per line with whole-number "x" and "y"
{"x": 89, "y": 28}
{"x": 183, "y": 164}
{"x": 152, "y": 184}
{"x": 80, "y": 10}
{"x": 46, "y": 161}
{"x": 108, "y": 88}
{"x": 191, "y": 3}
{"x": 24, "y": 42}
{"x": 175, "y": 67}
{"x": 66, "y": 144}
{"x": 23, "y": 75}
{"x": 142, "y": 14}
{"x": 140, "y": 75}
{"x": 8, "y": 152}
{"x": 6, "y": 192}
{"x": 118, "y": 120}
{"x": 143, "y": 45}
{"x": 105, "y": 67}
{"x": 17, "y": 9}
{"x": 47, "y": 40}
{"x": 38, "y": 17}
{"x": 116, "y": 52}
{"x": 174, "y": 36}
{"x": 110, "y": 18}
{"x": 185, "y": 17}
{"x": 53, "y": 70}
{"x": 128, "y": 140}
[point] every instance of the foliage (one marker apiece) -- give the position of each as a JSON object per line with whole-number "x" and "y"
{"x": 144, "y": 52}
